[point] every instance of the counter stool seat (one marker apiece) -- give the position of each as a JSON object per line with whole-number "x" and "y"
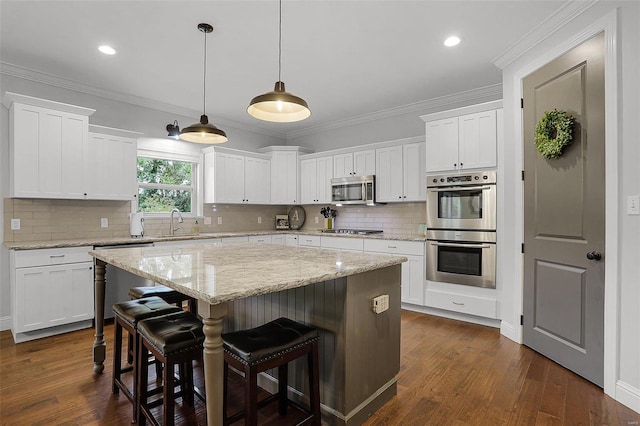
{"x": 271, "y": 345}
{"x": 174, "y": 339}
{"x": 127, "y": 316}
{"x": 169, "y": 295}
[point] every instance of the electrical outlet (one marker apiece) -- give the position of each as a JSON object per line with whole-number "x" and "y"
{"x": 219, "y": 220}
{"x": 15, "y": 224}
{"x": 259, "y": 219}
{"x": 104, "y": 222}
{"x": 381, "y": 303}
{"x": 633, "y": 204}
{"x": 317, "y": 220}
{"x": 207, "y": 220}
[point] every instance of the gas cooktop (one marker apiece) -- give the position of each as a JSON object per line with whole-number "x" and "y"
{"x": 352, "y": 231}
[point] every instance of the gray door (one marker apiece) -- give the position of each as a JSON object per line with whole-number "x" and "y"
{"x": 564, "y": 215}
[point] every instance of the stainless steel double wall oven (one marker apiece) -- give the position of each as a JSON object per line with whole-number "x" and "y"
{"x": 461, "y": 228}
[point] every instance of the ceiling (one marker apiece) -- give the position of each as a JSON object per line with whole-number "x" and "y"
{"x": 345, "y": 58}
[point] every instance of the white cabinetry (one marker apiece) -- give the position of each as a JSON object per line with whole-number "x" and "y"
{"x": 260, "y": 239}
{"x": 359, "y": 163}
{"x": 292, "y": 240}
{"x": 463, "y": 141}
{"x": 309, "y": 241}
{"x": 110, "y": 166}
{"x": 400, "y": 173}
{"x": 236, "y": 177}
{"x": 284, "y": 177}
{"x": 468, "y": 300}
{"x": 47, "y": 141}
{"x": 51, "y": 288}
{"x": 342, "y": 243}
{"x": 413, "y": 271}
{"x": 315, "y": 180}
{"x": 279, "y": 240}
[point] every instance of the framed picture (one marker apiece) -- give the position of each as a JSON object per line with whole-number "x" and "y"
{"x": 282, "y": 221}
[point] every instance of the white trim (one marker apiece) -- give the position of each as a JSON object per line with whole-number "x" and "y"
{"x": 608, "y": 24}
{"x": 542, "y": 31}
{"x": 628, "y": 395}
{"x": 473, "y": 319}
{"x": 472, "y": 109}
{"x": 5, "y": 323}
{"x": 9, "y": 98}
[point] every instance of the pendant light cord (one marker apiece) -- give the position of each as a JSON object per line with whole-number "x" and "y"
{"x": 204, "y": 78}
{"x": 280, "y": 43}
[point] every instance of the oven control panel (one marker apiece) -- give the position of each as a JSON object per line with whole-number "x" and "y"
{"x": 476, "y": 178}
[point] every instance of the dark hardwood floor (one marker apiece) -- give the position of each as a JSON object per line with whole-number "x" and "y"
{"x": 452, "y": 373}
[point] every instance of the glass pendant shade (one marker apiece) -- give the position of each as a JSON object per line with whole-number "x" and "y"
{"x": 279, "y": 106}
{"x": 203, "y": 132}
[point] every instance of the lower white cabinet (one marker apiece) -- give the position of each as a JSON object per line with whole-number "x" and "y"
{"x": 292, "y": 240}
{"x": 50, "y": 287}
{"x": 260, "y": 239}
{"x": 309, "y": 241}
{"x": 413, "y": 272}
{"x": 342, "y": 244}
{"x": 464, "y": 299}
{"x": 279, "y": 239}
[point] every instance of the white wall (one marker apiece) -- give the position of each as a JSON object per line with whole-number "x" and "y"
{"x": 622, "y": 371}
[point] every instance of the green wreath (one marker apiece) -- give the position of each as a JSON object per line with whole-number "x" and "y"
{"x": 554, "y": 132}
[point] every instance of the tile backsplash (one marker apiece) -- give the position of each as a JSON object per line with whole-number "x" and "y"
{"x": 50, "y": 220}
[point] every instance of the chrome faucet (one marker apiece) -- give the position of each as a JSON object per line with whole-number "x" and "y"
{"x": 173, "y": 230}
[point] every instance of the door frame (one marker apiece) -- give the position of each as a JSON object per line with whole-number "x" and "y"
{"x": 607, "y": 24}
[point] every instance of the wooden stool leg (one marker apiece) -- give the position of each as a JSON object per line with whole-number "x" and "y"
{"x": 283, "y": 380}
{"x": 130, "y": 349}
{"x": 168, "y": 386}
{"x": 251, "y": 396}
{"x": 225, "y": 378}
{"x": 142, "y": 374}
{"x": 117, "y": 356}
{"x": 314, "y": 383}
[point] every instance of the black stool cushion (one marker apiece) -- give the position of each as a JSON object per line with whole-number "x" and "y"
{"x": 134, "y": 311}
{"x": 156, "y": 290}
{"x": 173, "y": 332}
{"x": 267, "y": 341}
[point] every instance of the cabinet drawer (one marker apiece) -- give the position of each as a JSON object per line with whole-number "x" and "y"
{"x": 394, "y": 247}
{"x": 309, "y": 240}
{"x": 342, "y": 243}
{"x": 473, "y": 305}
{"x": 234, "y": 240}
{"x": 54, "y": 256}
{"x": 260, "y": 239}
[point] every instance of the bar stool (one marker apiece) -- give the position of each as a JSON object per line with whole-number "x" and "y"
{"x": 271, "y": 345}
{"x": 169, "y": 295}
{"x": 127, "y": 316}
{"x": 174, "y": 339}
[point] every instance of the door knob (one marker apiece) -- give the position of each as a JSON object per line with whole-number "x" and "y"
{"x": 594, "y": 255}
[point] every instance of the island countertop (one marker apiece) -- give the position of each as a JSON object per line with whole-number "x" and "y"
{"x": 216, "y": 274}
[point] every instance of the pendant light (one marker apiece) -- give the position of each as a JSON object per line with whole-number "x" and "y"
{"x": 204, "y": 132}
{"x": 279, "y": 105}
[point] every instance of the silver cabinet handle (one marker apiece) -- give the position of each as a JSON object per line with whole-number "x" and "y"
{"x": 460, "y": 188}
{"x": 458, "y": 303}
{"x": 56, "y": 255}
{"x": 392, "y": 247}
{"x": 460, "y": 245}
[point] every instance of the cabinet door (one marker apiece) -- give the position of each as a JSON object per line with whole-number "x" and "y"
{"x": 292, "y": 240}
{"x": 414, "y": 178}
{"x": 477, "y": 140}
{"x": 284, "y": 178}
{"x": 110, "y": 167}
{"x": 257, "y": 180}
{"x": 413, "y": 280}
{"x": 364, "y": 162}
{"x": 442, "y": 145}
{"x": 47, "y": 296}
{"x": 229, "y": 180}
{"x": 96, "y": 165}
{"x": 389, "y": 174}
{"x": 323, "y": 181}
{"x": 343, "y": 165}
{"x": 308, "y": 181}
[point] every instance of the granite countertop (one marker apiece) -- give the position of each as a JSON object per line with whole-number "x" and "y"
{"x": 108, "y": 241}
{"x": 218, "y": 274}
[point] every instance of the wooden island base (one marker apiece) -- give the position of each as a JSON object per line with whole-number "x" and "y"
{"x": 359, "y": 349}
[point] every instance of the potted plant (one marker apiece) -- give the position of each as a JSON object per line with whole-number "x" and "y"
{"x": 329, "y": 214}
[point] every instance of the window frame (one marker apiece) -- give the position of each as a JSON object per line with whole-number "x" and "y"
{"x": 196, "y": 181}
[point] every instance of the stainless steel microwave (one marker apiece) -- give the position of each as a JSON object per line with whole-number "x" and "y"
{"x": 353, "y": 190}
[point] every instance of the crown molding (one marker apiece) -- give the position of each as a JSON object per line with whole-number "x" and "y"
{"x": 64, "y": 83}
{"x": 480, "y": 95}
{"x": 566, "y": 13}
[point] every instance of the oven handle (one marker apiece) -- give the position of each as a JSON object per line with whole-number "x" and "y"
{"x": 460, "y": 245}
{"x": 460, "y": 188}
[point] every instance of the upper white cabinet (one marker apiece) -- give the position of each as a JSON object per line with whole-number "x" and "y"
{"x": 235, "y": 178}
{"x": 459, "y": 141}
{"x": 359, "y": 163}
{"x": 284, "y": 177}
{"x": 110, "y": 165}
{"x": 315, "y": 180}
{"x": 47, "y": 142}
{"x": 400, "y": 173}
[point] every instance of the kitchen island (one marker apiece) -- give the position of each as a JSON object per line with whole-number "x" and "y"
{"x": 245, "y": 285}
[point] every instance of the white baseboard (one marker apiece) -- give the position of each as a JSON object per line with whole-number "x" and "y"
{"x": 5, "y": 323}
{"x": 452, "y": 315}
{"x": 509, "y": 331}
{"x": 628, "y": 395}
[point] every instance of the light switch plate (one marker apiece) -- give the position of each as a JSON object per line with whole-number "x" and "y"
{"x": 259, "y": 219}
{"x": 104, "y": 222}
{"x": 381, "y": 303}
{"x": 207, "y": 220}
{"x": 633, "y": 204}
{"x": 15, "y": 224}
{"x": 219, "y": 220}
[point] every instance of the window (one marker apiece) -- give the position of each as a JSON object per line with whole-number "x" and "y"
{"x": 164, "y": 184}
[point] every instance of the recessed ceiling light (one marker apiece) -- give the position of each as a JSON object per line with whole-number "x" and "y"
{"x": 452, "y": 41}
{"x": 107, "y": 50}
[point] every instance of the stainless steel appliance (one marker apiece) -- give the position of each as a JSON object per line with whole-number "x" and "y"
{"x": 462, "y": 257}
{"x": 462, "y": 201}
{"x": 352, "y": 231}
{"x": 353, "y": 190}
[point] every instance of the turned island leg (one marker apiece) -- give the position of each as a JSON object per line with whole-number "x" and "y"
{"x": 213, "y": 359}
{"x": 99, "y": 345}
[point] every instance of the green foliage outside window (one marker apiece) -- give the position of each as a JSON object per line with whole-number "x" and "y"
{"x": 163, "y": 185}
